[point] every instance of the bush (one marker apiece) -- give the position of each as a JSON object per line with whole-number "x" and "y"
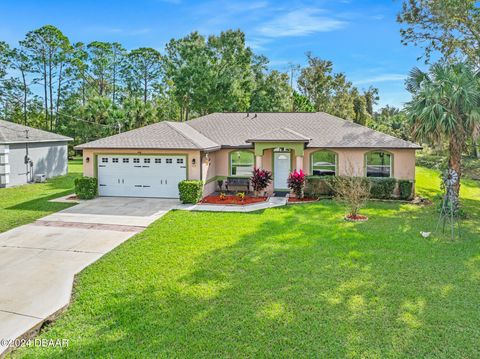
{"x": 406, "y": 189}
{"x": 86, "y": 187}
{"x": 260, "y": 179}
{"x": 190, "y": 191}
{"x": 296, "y": 182}
{"x": 317, "y": 186}
{"x": 382, "y": 187}
{"x": 352, "y": 191}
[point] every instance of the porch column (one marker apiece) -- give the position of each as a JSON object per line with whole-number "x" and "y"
{"x": 299, "y": 163}
{"x": 258, "y": 161}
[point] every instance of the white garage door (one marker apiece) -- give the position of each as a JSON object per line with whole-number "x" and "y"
{"x": 140, "y": 176}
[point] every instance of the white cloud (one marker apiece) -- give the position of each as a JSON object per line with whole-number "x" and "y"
{"x": 380, "y": 78}
{"x": 300, "y": 22}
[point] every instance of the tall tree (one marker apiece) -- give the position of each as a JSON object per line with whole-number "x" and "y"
{"x": 371, "y": 99}
{"x": 21, "y": 63}
{"x": 327, "y": 91}
{"x": 445, "y": 105}
{"x": 144, "y": 71}
{"x": 48, "y": 48}
{"x": 451, "y": 27}
{"x": 272, "y": 93}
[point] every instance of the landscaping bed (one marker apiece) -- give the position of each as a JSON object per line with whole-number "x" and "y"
{"x": 301, "y": 200}
{"x": 232, "y": 200}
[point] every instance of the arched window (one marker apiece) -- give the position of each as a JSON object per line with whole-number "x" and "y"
{"x": 241, "y": 163}
{"x": 379, "y": 164}
{"x": 323, "y": 163}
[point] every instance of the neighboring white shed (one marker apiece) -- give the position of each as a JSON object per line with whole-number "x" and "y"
{"x": 26, "y": 152}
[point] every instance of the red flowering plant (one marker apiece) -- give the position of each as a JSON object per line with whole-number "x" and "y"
{"x": 260, "y": 180}
{"x": 296, "y": 182}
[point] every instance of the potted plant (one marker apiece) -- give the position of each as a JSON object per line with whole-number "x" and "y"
{"x": 260, "y": 180}
{"x": 296, "y": 182}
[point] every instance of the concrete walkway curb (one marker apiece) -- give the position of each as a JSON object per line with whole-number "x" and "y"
{"x": 271, "y": 203}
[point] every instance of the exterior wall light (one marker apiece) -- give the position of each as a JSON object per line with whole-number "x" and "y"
{"x": 87, "y": 159}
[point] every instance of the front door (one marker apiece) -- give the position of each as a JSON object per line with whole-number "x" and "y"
{"x": 281, "y": 168}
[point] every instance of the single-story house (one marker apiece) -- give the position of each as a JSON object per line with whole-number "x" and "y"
{"x": 26, "y": 152}
{"x": 150, "y": 161}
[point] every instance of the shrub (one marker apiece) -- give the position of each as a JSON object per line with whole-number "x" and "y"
{"x": 190, "y": 191}
{"x": 260, "y": 179}
{"x": 241, "y": 196}
{"x": 406, "y": 189}
{"x": 352, "y": 191}
{"x": 382, "y": 187}
{"x": 86, "y": 187}
{"x": 296, "y": 182}
{"x": 317, "y": 186}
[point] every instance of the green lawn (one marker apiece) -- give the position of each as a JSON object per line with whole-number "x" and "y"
{"x": 286, "y": 282}
{"x": 25, "y": 204}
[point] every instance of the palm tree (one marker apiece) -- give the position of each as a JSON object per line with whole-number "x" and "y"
{"x": 445, "y": 105}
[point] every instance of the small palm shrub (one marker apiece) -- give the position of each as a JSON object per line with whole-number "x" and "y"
{"x": 260, "y": 180}
{"x": 296, "y": 182}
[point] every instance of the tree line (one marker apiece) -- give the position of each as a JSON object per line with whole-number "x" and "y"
{"x": 87, "y": 91}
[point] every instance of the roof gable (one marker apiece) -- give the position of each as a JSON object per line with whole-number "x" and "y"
{"x": 280, "y": 134}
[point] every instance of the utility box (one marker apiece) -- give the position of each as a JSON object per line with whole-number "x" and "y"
{"x": 39, "y": 178}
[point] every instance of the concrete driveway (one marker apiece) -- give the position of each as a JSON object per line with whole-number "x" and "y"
{"x": 38, "y": 261}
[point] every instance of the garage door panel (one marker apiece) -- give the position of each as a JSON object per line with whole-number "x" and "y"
{"x": 141, "y": 176}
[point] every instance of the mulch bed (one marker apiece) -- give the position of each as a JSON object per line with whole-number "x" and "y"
{"x": 230, "y": 199}
{"x": 300, "y": 200}
{"x": 357, "y": 218}
{"x": 72, "y": 198}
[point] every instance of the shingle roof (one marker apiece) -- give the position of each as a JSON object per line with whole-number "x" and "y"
{"x": 325, "y": 131}
{"x": 11, "y": 132}
{"x": 166, "y": 135}
{"x": 280, "y": 134}
{"x": 239, "y": 129}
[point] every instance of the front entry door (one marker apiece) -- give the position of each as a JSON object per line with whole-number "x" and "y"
{"x": 281, "y": 168}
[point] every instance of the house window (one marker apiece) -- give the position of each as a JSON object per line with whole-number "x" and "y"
{"x": 158, "y": 160}
{"x": 180, "y": 160}
{"x": 115, "y": 160}
{"x": 136, "y": 160}
{"x": 104, "y": 160}
{"x": 146, "y": 160}
{"x": 168, "y": 160}
{"x": 379, "y": 164}
{"x": 241, "y": 163}
{"x": 324, "y": 163}
{"x": 125, "y": 160}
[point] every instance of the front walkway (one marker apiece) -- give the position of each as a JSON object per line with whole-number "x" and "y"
{"x": 272, "y": 202}
{"x": 38, "y": 261}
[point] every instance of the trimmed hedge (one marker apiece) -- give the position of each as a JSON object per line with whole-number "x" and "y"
{"x": 405, "y": 188}
{"x": 382, "y": 188}
{"x": 318, "y": 186}
{"x": 190, "y": 191}
{"x": 86, "y": 187}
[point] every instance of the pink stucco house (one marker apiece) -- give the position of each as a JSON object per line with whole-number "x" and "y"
{"x": 150, "y": 161}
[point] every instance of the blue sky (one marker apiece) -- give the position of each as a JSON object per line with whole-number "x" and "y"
{"x": 361, "y": 37}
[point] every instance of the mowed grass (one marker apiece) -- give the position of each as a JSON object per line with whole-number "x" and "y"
{"x": 24, "y": 204}
{"x": 296, "y": 281}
